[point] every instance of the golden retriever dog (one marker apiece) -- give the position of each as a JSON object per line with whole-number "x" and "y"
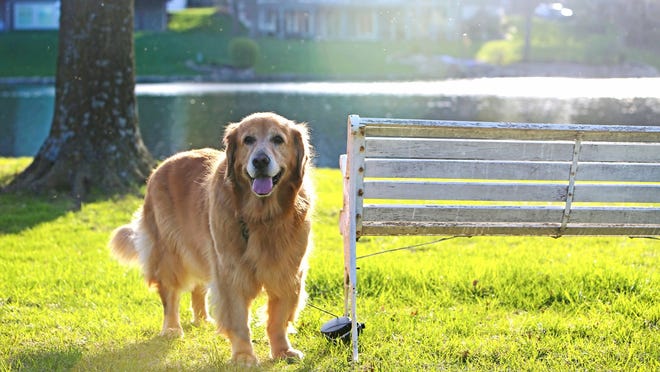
{"x": 238, "y": 220}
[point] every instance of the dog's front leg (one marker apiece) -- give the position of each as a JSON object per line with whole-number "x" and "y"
{"x": 241, "y": 346}
{"x": 281, "y": 311}
{"x": 232, "y": 315}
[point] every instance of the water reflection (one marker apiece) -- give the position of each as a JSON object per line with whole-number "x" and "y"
{"x": 179, "y": 116}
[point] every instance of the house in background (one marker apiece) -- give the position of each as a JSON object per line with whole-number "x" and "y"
{"x": 362, "y": 20}
{"x": 45, "y": 15}
{"x": 151, "y": 15}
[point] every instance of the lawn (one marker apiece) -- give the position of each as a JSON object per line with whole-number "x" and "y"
{"x": 480, "y": 303}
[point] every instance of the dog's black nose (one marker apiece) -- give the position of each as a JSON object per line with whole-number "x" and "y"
{"x": 260, "y": 160}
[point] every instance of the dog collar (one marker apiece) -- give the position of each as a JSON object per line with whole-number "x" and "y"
{"x": 245, "y": 232}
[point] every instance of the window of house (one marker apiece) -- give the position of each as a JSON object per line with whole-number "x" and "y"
{"x": 330, "y": 24}
{"x": 303, "y": 20}
{"x": 296, "y": 23}
{"x": 365, "y": 24}
{"x": 37, "y": 16}
{"x": 268, "y": 21}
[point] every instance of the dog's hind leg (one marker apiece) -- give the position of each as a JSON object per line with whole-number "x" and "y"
{"x": 170, "y": 298}
{"x": 198, "y": 299}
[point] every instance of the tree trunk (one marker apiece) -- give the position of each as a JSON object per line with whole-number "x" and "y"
{"x": 94, "y": 140}
{"x": 529, "y": 22}
{"x": 235, "y": 18}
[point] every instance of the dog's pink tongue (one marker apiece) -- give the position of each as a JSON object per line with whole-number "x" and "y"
{"x": 262, "y": 186}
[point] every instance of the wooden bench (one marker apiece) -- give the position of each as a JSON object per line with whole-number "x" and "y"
{"x": 422, "y": 177}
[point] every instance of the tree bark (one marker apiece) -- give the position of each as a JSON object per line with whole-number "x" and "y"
{"x": 94, "y": 140}
{"x": 529, "y": 22}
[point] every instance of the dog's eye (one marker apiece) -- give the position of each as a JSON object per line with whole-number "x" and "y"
{"x": 277, "y": 139}
{"x": 249, "y": 140}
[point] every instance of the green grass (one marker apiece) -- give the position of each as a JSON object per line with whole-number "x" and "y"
{"x": 480, "y": 303}
{"x": 349, "y": 58}
{"x": 167, "y": 54}
{"x": 28, "y": 53}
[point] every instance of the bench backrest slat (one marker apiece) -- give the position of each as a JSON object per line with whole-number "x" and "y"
{"x": 608, "y": 151}
{"x": 461, "y": 169}
{"x": 485, "y": 191}
{"x": 437, "y": 148}
{"x": 618, "y": 172}
{"x": 618, "y": 215}
{"x": 617, "y": 193}
{"x": 384, "y": 127}
{"x": 510, "y": 214}
{"x": 434, "y": 148}
{"x": 462, "y": 213}
{"x": 501, "y": 191}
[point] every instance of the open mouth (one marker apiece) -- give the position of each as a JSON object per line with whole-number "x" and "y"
{"x": 263, "y": 186}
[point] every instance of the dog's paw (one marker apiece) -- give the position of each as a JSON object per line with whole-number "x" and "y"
{"x": 172, "y": 333}
{"x": 290, "y": 354}
{"x": 245, "y": 359}
{"x": 202, "y": 321}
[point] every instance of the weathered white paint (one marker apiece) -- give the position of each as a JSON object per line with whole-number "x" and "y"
{"x": 384, "y": 127}
{"x": 613, "y": 152}
{"x": 461, "y": 169}
{"x": 482, "y": 191}
{"x": 352, "y": 223}
{"x": 439, "y": 148}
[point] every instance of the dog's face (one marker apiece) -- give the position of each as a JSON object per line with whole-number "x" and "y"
{"x": 265, "y": 150}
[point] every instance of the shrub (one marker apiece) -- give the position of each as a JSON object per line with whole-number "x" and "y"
{"x": 243, "y": 52}
{"x": 201, "y": 20}
{"x": 500, "y": 52}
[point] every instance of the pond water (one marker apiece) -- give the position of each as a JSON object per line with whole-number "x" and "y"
{"x": 180, "y": 116}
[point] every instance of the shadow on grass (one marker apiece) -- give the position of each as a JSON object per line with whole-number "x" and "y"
{"x": 149, "y": 355}
{"x": 45, "y": 360}
{"x": 155, "y": 354}
{"x": 22, "y": 211}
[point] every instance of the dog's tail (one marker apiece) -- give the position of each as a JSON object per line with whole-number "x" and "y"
{"x": 122, "y": 244}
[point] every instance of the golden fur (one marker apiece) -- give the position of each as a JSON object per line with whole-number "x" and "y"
{"x": 238, "y": 220}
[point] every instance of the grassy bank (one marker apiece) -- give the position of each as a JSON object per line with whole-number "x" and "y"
{"x": 170, "y": 53}
{"x": 480, "y": 303}
{"x": 201, "y": 36}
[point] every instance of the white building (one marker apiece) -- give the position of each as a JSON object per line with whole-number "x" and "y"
{"x": 363, "y": 20}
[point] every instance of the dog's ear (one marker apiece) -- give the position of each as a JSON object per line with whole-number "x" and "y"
{"x": 300, "y": 135}
{"x": 230, "y": 142}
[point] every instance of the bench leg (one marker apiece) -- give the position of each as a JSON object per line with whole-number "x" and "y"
{"x": 348, "y": 229}
{"x": 350, "y": 285}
